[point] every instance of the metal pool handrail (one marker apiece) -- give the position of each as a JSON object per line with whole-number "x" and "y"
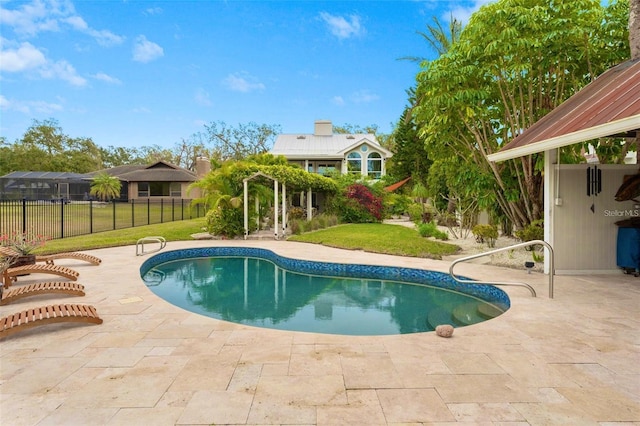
{"x": 516, "y": 283}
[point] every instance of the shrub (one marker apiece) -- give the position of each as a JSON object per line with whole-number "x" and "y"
{"x": 430, "y": 229}
{"x": 397, "y": 204}
{"x": 225, "y": 222}
{"x": 415, "y": 213}
{"x": 486, "y": 234}
{"x": 296, "y": 213}
{"x": 533, "y": 231}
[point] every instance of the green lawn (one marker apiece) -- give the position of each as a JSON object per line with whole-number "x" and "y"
{"x": 372, "y": 237}
{"x": 379, "y": 238}
{"x": 172, "y": 231}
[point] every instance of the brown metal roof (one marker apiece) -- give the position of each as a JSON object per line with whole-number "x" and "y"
{"x": 611, "y": 103}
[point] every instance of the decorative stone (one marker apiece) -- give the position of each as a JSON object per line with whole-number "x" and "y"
{"x": 444, "y": 330}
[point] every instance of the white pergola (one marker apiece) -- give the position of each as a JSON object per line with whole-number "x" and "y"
{"x": 276, "y": 186}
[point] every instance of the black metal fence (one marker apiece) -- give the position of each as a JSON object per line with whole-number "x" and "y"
{"x": 60, "y": 218}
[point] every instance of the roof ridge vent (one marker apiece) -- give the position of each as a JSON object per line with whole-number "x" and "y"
{"x": 301, "y": 137}
{"x": 350, "y": 137}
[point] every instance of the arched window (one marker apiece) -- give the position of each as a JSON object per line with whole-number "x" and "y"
{"x": 374, "y": 165}
{"x": 354, "y": 163}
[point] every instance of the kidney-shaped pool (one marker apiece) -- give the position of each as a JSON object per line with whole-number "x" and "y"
{"x": 258, "y": 287}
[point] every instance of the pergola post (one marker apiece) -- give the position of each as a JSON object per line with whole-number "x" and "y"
{"x": 309, "y": 205}
{"x": 284, "y": 210}
{"x": 275, "y": 207}
{"x": 246, "y": 209}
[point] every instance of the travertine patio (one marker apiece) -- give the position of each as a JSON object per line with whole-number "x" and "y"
{"x": 571, "y": 360}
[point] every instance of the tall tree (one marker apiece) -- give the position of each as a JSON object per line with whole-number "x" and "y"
{"x": 515, "y": 61}
{"x": 236, "y": 143}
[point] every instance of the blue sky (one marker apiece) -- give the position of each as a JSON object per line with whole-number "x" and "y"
{"x": 134, "y": 73}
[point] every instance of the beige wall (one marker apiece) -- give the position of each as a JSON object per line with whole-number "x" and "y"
{"x": 585, "y": 241}
{"x": 185, "y": 193}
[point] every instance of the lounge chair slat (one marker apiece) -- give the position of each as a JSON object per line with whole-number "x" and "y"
{"x": 11, "y": 274}
{"x": 47, "y": 315}
{"x": 49, "y": 258}
{"x": 19, "y": 292}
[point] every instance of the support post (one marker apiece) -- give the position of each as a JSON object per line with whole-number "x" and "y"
{"x": 284, "y": 210}
{"x": 245, "y": 207}
{"x": 309, "y": 205}
{"x": 275, "y": 208}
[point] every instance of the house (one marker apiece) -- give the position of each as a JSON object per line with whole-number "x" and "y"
{"x": 580, "y": 208}
{"x": 160, "y": 180}
{"x": 325, "y": 152}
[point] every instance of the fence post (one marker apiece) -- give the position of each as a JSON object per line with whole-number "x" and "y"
{"x": 148, "y": 211}
{"x": 161, "y": 210}
{"x": 182, "y": 208}
{"x": 133, "y": 213}
{"x": 173, "y": 209}
{"x": 91, "y": 216}
{"x": 24, "y": 215}
{"x": 114, "y": 214}
{"x": 61, "y": 217}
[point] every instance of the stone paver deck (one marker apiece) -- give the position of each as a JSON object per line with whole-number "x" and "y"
{"x": 571, "y": 360}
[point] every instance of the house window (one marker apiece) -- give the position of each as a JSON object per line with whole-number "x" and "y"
{"x": 159, "y": 189}
{"x": 354, "y": 163}
{"x": 143, "y": 189}
{"x": 326, "y": 169}
{"x": 374, "y": 166}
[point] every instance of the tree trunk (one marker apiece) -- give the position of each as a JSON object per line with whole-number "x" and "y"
{"x": 634, "y": 28}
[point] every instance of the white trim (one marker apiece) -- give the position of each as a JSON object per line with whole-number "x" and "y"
{"x": 607, "y": 129}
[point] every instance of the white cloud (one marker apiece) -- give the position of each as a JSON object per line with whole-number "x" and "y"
{"x": 145, "y": 50}
{"x": 202, "y": 98}
{"x": 22, "y": 58}
{"x": 52, "y": 15}
{"x": 141, "y": 110}
{"x": 242, "y": 82}
{"x": 338, "y": 100}
{"x": 107, "y": 78}
{"x": 29, "y": 106}
{"x": 462, "y": 13}
{"x": 153, "y": 11}
{"x": 364, "y": 96}
{"x": 62, "y": 70}
{"x": 27, "y": 58}
{"x": 342, "y": 27}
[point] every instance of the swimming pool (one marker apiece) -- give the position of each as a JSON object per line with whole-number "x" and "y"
{"x": 258, "y": 287}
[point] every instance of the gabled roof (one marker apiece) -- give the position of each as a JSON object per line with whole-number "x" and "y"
{"x": 309, "y": 146}
{"x": 160, "y": 171}
{"x": 607, "y": 106}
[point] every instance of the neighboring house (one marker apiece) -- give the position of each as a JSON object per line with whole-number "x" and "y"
{"x": 325, "y": 152}
{"x": 44, "y": 186}
{"x": 160, "y": 180}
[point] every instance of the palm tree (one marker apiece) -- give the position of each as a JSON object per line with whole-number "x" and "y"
{"x": 105, "y": 186}
{"x": 439, "y": 39}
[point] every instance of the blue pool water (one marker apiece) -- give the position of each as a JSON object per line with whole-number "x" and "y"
{"x": 260, "y": 288}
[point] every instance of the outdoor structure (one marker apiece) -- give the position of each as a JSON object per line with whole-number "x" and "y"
{"x": 580, "y": 209}
{"x": 325, "y": 152}
{"x": 160, "y": 180}
{"x": 44, "y": 186}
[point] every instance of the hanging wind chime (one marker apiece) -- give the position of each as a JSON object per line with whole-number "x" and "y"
{"x": 594, "y": 184}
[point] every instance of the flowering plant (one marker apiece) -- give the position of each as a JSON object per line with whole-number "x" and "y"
{"x": 23, "y": 242}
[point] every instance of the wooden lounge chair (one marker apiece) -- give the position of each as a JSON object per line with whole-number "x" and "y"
{"x": 49, "y": 258}
{"x": 11, "y": 274}
{"x": 47, "y": 315}
{"x": 67, "y": 288}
